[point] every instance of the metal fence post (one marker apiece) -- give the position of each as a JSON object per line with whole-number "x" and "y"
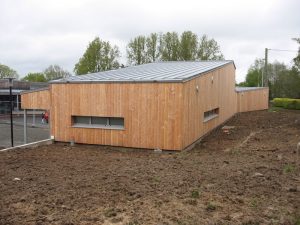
{"x": 25, "y": 126}
{"x": 33, "y": 118}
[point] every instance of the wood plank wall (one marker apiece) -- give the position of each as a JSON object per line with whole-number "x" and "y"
{"x": 39, "y": 99}
{"x": 216, "y": 90}
{"x": 167, "y": 116}
{"x": 152, "y": 113}
{"x": 253, "y": 100}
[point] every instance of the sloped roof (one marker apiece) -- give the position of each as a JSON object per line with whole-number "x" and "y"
{"x": 178, "y": 71}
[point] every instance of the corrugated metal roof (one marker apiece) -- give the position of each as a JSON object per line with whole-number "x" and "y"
{"x": 152, "y": 72}
{"x": 242, "y": 89}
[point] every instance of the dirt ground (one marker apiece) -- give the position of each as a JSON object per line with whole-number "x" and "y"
{"x": 248, "y": 175}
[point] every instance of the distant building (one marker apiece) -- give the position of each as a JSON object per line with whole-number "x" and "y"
{"x": 18, "y": 87}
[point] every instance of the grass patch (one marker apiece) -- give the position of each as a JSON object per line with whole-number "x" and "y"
{"x": 288, "y": 168}
{"x": 191, "y": 202}
{"x": 211, "y": 207}
{"x": 134, "y": 222}
{"x": 275, "y": 109}
{"x": 195, "y": 194}
{"x": 110, "y": 213}
{"x": 250, "y": 222}
{"x": 154, "y": 179}
{"x": 254, "y": 203}
{"x": 286, "y": 103}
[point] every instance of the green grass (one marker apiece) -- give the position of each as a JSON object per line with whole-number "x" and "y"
{"x": 250, "y": 222}
{"x": 297, "y": 222}
{"x": 157, "y": 179}
{"x": 254, "y": 203}
{"x": 286, "y": 103}
{"x": 135, "y": 222}
{"x": 211, "y": 207}
{"x": 275, "y": 109}
{"x": 288, "y": 168}
{"x": 111, "y": 212}
{"x": 195, "y": 194}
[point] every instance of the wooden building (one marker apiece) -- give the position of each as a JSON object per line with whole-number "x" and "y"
{"x": 252, "y": 98}
{"x": 163, "y": 105}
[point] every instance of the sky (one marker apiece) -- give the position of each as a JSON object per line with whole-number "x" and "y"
{"x": 35, "y": 34}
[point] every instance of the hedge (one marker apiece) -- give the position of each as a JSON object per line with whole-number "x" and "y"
{"x": 287, "y": 103}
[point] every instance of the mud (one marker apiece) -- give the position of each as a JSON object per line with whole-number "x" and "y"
{"x": 248, "y": 174}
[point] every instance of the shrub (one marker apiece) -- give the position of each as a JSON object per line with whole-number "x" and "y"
{"x": 287, "y": 103}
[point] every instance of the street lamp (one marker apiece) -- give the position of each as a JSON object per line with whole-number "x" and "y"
{"x": 10, "y": 84}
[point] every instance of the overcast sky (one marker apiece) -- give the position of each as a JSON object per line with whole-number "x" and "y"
{"x": 35, "y": 34}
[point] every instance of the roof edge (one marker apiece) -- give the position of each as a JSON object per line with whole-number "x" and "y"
{"x": 35, "y": 90}
{"x": 250, "y": 89}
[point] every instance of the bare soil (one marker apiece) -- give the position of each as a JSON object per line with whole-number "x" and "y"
{"x": 244, "y": 175}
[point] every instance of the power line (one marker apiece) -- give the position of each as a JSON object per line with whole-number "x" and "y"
{"x": 282, "y": 50}
{"x": 266, "y": 62}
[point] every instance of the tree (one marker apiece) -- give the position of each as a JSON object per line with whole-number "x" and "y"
{"x": 188, "y": 46}
{"x": 254, "y": 74}
{"x": 35, "y": 77}
{"x": 297, "y": 58}
{"x": 6, "y": 72}
{"x": 287, "y": 84}
{"x": 99, "y": 56}
{"x": 54, "y": 72}
{"x": 152, "y": 44}
{"x": 136, "y": 51}
{"x": 209, "y": 49}
{"x": 170, "y": 47}
{"x": 282, "y": 81}
{"x": 274, "y": 70}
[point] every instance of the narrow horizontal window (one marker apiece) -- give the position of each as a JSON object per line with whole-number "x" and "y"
{"x": 211, "y": 114}
{"x": 98, "y": 122}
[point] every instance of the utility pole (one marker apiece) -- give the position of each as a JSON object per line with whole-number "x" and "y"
{"x": 266, "y": 69}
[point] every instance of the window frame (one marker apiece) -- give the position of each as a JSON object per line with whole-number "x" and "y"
{"x": 90, "y": 124}
{"x": 212, "y": 114}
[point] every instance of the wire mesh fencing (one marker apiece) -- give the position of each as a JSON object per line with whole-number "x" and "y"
{"x": 36, "y": 130}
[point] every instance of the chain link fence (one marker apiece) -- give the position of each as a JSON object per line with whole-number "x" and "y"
{"x": 36, "y": 130}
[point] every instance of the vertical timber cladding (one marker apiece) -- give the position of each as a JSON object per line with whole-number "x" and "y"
{"x": 252, "y": 100}
{"x": 152, "y": 113}
{"x": 37, "y": 99}
{"x": 216, "y": 89}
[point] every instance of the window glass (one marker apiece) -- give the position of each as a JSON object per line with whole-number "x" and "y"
{"x": 99, "y": 120}
{"x": 81, "y": 119}
{"x": 114, "y": 121}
